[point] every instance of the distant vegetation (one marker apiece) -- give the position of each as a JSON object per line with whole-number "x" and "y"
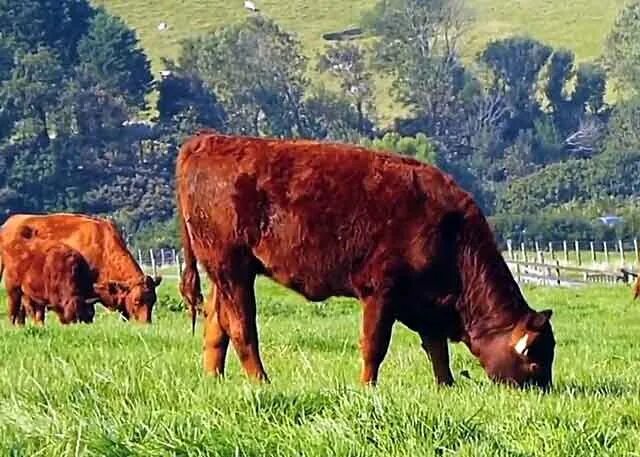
{"x": 522, "y": 123}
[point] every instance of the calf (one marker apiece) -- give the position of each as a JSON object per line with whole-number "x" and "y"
{"x": 48, "y": 276}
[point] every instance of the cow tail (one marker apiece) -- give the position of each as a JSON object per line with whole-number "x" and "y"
{"x": 190, "y": 287}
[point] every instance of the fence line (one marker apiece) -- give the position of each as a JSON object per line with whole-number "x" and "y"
{"x": 531, "y": 263}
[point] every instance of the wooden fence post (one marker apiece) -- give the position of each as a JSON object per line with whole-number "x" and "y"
{"x": 621, "y": 249}
{"x": 558, "y": 272}
{"x": 537, "y": 249}
{"x": 606, "y": 253}
{"x": 140, "y": 257}
{"x": 524, "y": 252}
{"x": 578, "y": 259}
{"x": 510, "y": 249}
{"x": 518, "y": 272}
{"x": 592, "y": 246}
{"x": 154, "y": 268}
{"x": 162, "y": 258}
{"x": 179, "y": 264}
{"x": 541, "y": 257}
{"x": 566, "y": 251}
{"x": 551, "y": 253}
{"x": 635, "y": 249}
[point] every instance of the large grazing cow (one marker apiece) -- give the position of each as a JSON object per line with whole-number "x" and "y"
{"x": 327, "y": 219}
{"x": 49, "y": 275}
{"x": 120, "y": 282}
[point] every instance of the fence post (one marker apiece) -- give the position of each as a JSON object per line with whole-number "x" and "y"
{"x": 606, "y": 253}
{"x": 541, "y": 257}
{"x": 140, "y": 257}
{"x": 524, "y": 252}
{"x": 537, "y": 249}
{"x": 566, "y": 251}
{"x": 558, "y": 271}
{"x": 518, "y": 272}
{"x": 162, "y": 258}
{"x": 578, "y": 259}
{"x": 510, "y": 249}
{"x": 635, "y": 249}
{"x": 593, "y": 251}
{"x": 179, "y": 264}
{"x": 551, "y": 253}
{"x": 621, "y": 249}
{"x": 154, "y": 268}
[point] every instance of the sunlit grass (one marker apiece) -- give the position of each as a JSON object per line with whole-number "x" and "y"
{"x": 116, "y": 389}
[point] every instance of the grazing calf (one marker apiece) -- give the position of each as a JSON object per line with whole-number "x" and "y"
{"x": 48, "y": 276}
{"x": 120, "y": 282}
{"x": 327, "y": 219}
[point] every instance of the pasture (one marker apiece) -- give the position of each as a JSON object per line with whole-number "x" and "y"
{"x": 116, "y": 389}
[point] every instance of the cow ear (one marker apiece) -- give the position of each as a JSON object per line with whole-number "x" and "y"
{"x": 157, "y": 280}
{"x": 537, "y": 321}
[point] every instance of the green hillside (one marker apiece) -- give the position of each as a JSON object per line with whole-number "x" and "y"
{"x": 580, "y": 25}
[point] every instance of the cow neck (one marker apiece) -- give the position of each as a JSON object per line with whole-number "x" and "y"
{"x": 121, "y": 266}
{"x": 491, "y": 301}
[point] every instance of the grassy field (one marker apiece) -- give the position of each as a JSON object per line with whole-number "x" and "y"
{"x": 116, "y": 389}
{"x": 580, "y": 25}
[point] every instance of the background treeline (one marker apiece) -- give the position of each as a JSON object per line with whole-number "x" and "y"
{"x": 522, "y": 125}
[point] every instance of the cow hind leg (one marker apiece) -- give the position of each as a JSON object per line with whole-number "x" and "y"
{"x": 377, "y": 324}
{"x": 237, "y": 308}
{"x": 16, "y": 311}
{"x": 438, "y": 351}
{"x": 216, "y": 338}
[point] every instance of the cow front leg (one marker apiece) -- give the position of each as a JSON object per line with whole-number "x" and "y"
{"x": 377, "y": 324}
{"x": 438, "y": 351}
{"x": 237, "y": 313}
{"x": 216, "y": 338}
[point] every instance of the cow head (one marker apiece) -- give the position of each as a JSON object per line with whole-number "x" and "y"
{"x": 134, "y": 299}
{"x": 523, "y": 355}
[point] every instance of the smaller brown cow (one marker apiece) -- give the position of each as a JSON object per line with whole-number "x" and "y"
{"x": 49, "y": 276}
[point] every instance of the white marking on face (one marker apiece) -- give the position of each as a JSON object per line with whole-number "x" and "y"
{"x": 521, "y": 345}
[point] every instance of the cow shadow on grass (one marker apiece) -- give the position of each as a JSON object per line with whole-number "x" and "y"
{"x": 610, "y": 388}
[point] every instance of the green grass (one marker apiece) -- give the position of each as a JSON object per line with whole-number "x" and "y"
{"x": 116, "y": 389}
{"x": 580, "y": 25}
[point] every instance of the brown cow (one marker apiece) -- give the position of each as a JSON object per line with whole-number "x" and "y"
{"x": 327, "y": 219}
{"x": 121, "y": 284}
{"x": 47, "y": 276}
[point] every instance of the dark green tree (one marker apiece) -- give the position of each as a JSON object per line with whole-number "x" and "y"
{"x": 55, "y": 24}
{"x": 110, "y": 52}
{"x": 258, "y": 72}
{"x": 515, "y": 64}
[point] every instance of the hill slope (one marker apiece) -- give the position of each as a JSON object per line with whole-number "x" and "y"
{"x": 580, "y": 25}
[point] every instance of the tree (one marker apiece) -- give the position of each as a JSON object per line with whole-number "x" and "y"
{"x": 347, "y": 63}
{"x": 570, "y": 108}
{"x": 110, "y": 53}
{"x": 622, "y": 50}
{"x": 258, "y": 72}
{"x": 418, "y": 44}
{"x": 333, "y": 117}
{"x": 624, "y": 127}
{"x": 32, "y": 91}
{"x": 185, "y": 100}
{"x": 516, "y": 64}
{"x": 419, "y": 147}
{"x": 55, "y": 24}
